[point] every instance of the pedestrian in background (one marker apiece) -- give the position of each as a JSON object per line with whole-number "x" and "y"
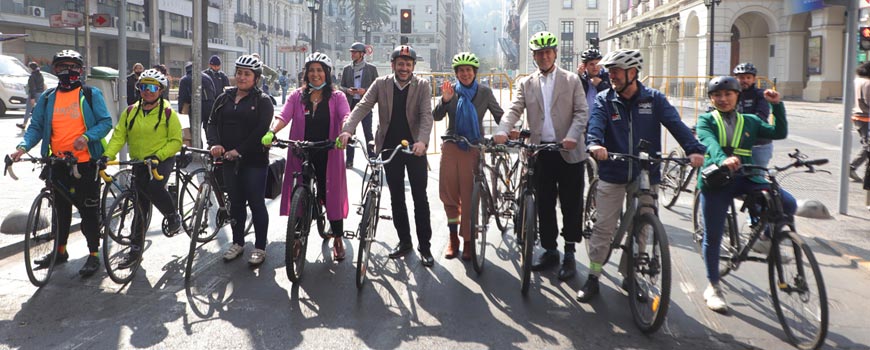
{"x": 861, "y": 119}
{"x": 132, "y": 79}
{"x": 35, "y": 87}
{"x": 356, "y": 78}
{"x": 218, "y": 77}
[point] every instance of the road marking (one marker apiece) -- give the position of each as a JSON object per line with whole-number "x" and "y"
{"x": 811, "y": 142}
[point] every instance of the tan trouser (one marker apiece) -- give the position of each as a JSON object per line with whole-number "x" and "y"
{"x": 609, "y": 200}
{"x": 456, "y": 182}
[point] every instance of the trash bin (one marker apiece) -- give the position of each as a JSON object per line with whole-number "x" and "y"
{"x": 106, "y": 79}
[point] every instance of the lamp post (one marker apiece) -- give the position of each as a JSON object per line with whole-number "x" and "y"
{"x": 711, "y": 6}
{"x": 73, "y": 5}
{"x": 314, "y": 6}
{"x": 263, "y": 42}
{"x": 367, "y": 28}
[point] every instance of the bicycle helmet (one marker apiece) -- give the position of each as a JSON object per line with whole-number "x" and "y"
{"x": 250, "y": 62}
{"x": 358, "y": 46}
{"x": 466, "y": 59}
{"x": 623, "y": 59}
{"x": 403, "y": 51}
{"x": 590, "y": 55}
{"x": 745, "y": 68}
{"x": 543, "y": 40}
{"x": 153, "y": 76}
{"x": 722, "y": 83}
{"x": 319, "y": 57}
{"x": 67, "y": 55}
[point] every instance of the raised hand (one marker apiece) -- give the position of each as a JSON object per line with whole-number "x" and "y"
{"x": 447, "y": 91}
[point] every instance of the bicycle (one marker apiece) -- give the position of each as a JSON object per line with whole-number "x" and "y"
{"x": 676, "y": 178}
{"x": 211, "y": 210}
{"x": 369, "y": 208}
{"x": 40, "y": 238}
{"x": 305, "y": 205}
{"x": 504, "y": 178}
{"x": 766, "y": 209}
{"x": 120, "y": 221}
{"x": 646, "y": 249}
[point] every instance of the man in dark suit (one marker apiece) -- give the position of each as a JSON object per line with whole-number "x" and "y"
{"x": 356, "y": 78}
{"x": 132, "y": 92}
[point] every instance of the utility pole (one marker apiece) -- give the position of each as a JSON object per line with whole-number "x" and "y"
{"x": 848, "y": 102}
{"x": 196, "y": 76}
{"x": 122, "y": 64}
{"x": 88, "y": 60}
{"x": 154, "y": 27}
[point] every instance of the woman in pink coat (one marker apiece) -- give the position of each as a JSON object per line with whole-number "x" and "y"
{"x": 316, "y": 112}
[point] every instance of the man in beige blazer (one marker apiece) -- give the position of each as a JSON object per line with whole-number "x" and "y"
{"x": 556, "y": 111}
{"x": 404, "y": 113}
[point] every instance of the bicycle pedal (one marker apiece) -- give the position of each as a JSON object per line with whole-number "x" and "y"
{"x": 350, "y": 234}
{"x": 386, "y": 217}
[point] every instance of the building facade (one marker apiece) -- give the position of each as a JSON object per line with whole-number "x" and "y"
{"x": 574, "y": 22}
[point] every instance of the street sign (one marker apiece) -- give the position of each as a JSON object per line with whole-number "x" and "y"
{"x": 72, "y": 19}
{"x": 291, "y": 48}
{"x": 101, "y": 20}
{"x": 369, "y": 50}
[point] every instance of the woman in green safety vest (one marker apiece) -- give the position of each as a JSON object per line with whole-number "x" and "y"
{"x": 729, "y": 136}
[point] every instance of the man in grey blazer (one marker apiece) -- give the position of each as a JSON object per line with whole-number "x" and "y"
{"x": 355, "y": 81}
{"x": 556, "y": 111}
{"x": 404, "y": 113}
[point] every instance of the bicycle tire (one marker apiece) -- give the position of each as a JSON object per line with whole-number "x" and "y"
{"x": 791, "y": 250}
{"x": 480, "y": 213}
{"x": 296, "y": 240}
{"x": 323, "y": 228}
{"x": 199, "y": 217}
{"x": 529, "y": 233}
{"x": 730, "y": 243}
{"x": 40, "y": 239}
{"x": 673, "y": 177}
{"x": 649, "y": 297}
{"x": 213, "y": 218}
{"x": 120, "y": 229}
{"x": 188, "y": 192}
{"x": 591, "y": 166}
{"x": 366, "y": 232}
{"x": 110, "y": 192}
{"x": 589, "y": 214}
{"x": 500, "y": 187}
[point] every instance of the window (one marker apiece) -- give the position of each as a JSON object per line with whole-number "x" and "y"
{"x": 567, "y": 4}
{"x": 592, "y": 4}
{"x": 566, "y": 43}
{"x": 591, "y": 27}
{"x": 567, "y": 27}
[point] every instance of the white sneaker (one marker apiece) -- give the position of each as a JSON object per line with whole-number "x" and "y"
{"x": 715, "y": 299}
{"x": 762, "y": 246}
{"x": 233, "y": 252}
{"x": 257, "y": 257}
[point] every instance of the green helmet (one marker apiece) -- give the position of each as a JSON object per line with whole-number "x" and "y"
{"x": 543, "y": 40}
{"x": 466, "y": 59}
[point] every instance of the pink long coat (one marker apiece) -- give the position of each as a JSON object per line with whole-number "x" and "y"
{"x": 336, "y": 178}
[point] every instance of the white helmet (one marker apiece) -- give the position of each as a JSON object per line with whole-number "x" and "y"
{"x": 153, "y": 76}
{"x": 319, "y": 57}
{"x": 250, "y": 62}
{"x": 623, "y": 58}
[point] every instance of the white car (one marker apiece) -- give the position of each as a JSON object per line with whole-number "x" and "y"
{"x": 13, "y": 83}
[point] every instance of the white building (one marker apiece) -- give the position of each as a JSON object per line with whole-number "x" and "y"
{"x": 572, "y": 21}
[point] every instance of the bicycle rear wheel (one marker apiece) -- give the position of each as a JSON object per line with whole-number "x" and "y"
{"x": 529, "y": 234}
{"x": 502, "y": 193}
{"x": 479, "y": 225}
{"x": 649, "y": 280}
{"x": 213, "y": 218}
{"x": 367, "y": 227}
{"x": 298, "y": 226}
{"x": 798, "y": 291}
{"x": 40, "y": 239}
{"x": 120, "y": 229}
{"x": 673, "y": 175}
{"x": 199, "y": 222}
{"x": 730, "y": 244}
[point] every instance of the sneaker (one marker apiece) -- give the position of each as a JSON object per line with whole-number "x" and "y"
{"x": 854, "y": 175}
{"x": 233, "y": 252}
{"x": 91, "y": 266}
{"x": 257, "y": 257}
{"x": 174, "y": 225}
{"x": 714, "y": 298}
{"x": 59, "y": 259}
{"x": 348, "y": 164}
{"x": 131, "y": 259}
{"x": 762, "y": 246}
{"x": 589, "y": 289}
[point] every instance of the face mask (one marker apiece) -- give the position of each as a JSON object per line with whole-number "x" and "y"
{"x": 317, "y": 87}
{"x": 69, "y": 79}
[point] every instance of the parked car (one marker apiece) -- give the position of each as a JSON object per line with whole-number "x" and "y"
{"x": 13, "y": 83}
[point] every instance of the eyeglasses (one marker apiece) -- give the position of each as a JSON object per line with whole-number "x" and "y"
{"x": 149, "y": 87}
{"x": 67, "y": 66}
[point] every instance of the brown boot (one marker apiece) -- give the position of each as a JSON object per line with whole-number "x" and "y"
{"x": 466, "y": 251}
{"x": 453, "y": 247}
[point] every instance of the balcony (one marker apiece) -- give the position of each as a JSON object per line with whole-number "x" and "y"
{"x": 214, "y": 3}
{"x": 242, "y": 18}
{"x": 262, "y": 26}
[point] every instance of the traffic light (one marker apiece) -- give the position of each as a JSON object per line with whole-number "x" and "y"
{"x": 864, "y": 34}
{"x": 405, "y": 21}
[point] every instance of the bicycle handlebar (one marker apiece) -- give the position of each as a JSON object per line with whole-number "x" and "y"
{"x": 65, "y": 157}
{"x": 150, "y": 163}
{"x": 625, "y": 157}
{"x": 325, "y": 144}
{"x": 403, "y": 146}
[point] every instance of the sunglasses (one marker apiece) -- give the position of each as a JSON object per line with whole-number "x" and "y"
{"x": 67, "y": 66}
{"x": 149, "y": 87}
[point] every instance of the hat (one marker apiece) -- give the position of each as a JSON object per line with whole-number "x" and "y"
{"x": 214, "y": 60}
{"x": 33, "y": 65}
{"x": 188, "y": 66}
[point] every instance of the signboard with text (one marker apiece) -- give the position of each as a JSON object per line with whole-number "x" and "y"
{"x": 72, "y": 18}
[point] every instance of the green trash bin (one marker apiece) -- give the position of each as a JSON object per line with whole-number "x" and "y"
{"x": 105, "y": 78}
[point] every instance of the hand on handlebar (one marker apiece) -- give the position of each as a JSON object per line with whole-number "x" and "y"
{"x": 16, "y": 156}
{"x": 696, "y": 160}
{"x": 344, "y": 137}
{"x": 499, "y": 139}
{"x": 733, "y": 163}
{"x": 217, "y": 150}
{"x": 569, "y": 144}
{"x": 419, "y": 149}
{"x": 598, "y": 152}
{"x": 267, "y": 139}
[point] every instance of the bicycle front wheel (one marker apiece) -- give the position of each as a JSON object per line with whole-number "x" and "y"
{"x": 480, "y": 214}
{"x": 199, "y": 222}
{"x": 187, "y": 197}
{"x": 798, "y": 291}
{"x": 121, "y": 228}
{"x": 501, "y": 192}
{"x": 589, "y": 214}
{"x": 366, "y": 232}
{"x": 649, "y": 278}
{"x": 298, "y": 226}
{"x": 672, "y": 178}
{"x": 529, "y": 234}
{"x": 40, "y": 239}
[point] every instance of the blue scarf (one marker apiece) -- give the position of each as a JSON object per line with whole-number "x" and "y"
{"x": 467, "y": 124}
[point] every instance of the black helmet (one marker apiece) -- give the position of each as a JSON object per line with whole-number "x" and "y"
{"x": 403, "y": 51}
{"x": 722, "y": 83}
{"x": 745, "y": 68}
{"x": 67, "y": 55}
{"x": 590, "y": 55}
{"x": 358, "y": 46}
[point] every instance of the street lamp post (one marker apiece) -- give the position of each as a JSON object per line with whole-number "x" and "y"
{"x": 73, "y": 5}
{"x": 264, "y": 41}
{"x": 367, "y": 28}
{"x": 711, "y": 6}
{"x": 314, "y": 6}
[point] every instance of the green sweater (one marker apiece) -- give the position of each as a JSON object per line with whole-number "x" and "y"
{"x": 143, "y": 139}
{"x": 753, "y": 128}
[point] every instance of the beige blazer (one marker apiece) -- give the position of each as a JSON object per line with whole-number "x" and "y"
{"x": 418, "y": 109}
{"x": 569, "y": 111}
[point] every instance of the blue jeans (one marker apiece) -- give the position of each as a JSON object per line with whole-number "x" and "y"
{"x": 247, "y": 186}
{"x": 761, "y": 154}
{"x": 714, "y": 204}
{"x": 27, "y": 110}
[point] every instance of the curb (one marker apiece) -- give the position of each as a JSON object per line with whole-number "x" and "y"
{"x": 18, "y": 247}
{"x": 843, "y": 253}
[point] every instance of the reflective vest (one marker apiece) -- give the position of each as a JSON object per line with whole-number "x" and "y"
{"x": 734, "y": 147}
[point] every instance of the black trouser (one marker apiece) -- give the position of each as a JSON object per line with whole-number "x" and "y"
{"x": 556, "y": 177}
{"x": 152, "y": 191}
{"x": 246, "y": 185}
{"x": 367, "y": 132}
{"x": 85, "y": 195}
{"x": 861, "y": 128}
{"x": 319, "y": 159}
{"x": 417, "y": 177}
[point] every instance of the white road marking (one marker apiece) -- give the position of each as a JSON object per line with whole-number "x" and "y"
{"x": 814, "y": 143}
